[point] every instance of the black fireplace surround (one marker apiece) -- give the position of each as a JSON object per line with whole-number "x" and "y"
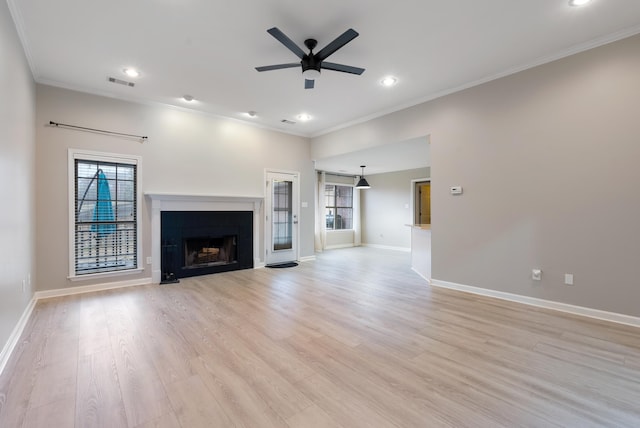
{"x": 205, "y": 242}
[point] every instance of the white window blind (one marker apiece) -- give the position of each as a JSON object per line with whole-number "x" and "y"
{"x": 105, "y": 215}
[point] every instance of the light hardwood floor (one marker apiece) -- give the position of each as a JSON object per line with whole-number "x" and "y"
{"x": 354, "y": 339}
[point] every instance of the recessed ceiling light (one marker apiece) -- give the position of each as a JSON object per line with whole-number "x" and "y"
{"x": 389, "y": 81}
{"x": 578, "y": 2}
{"x": 188, "y": 98}
{"x": 304, "y": 117}
{"x": 131, "y": 72}
{"x": 252, "y": 113}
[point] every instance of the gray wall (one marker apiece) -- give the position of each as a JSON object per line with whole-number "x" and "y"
{"x": 548, "y": 159}
{"x": 387, "y": 208}
{"x": 17, "y": 177}
{"x": 186, "y": 153}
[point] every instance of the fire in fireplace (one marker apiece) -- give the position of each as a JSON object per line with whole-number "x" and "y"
{"x": 205, "y": 251}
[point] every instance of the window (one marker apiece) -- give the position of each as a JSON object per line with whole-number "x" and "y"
{"x": 104, "y": 211}
{"x": 338, "y": 206}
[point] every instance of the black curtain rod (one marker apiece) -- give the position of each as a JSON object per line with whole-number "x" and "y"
{"x": 142, "y": 137}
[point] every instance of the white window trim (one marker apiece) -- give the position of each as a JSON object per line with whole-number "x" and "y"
{"x": 74, "y": 154}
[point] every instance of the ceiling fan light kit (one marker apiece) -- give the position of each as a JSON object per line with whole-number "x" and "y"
{"x": 311, "y": 62}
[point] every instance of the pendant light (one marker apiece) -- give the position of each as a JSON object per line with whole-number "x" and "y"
{"x": 362, "y": 183}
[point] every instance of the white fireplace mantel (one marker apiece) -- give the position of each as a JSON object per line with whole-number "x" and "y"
{"x": 186, "y": 202}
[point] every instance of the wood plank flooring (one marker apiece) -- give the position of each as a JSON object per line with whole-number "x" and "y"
{"x": 353, "y": 339}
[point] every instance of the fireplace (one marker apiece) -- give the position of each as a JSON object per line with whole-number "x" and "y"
{"x": 205, "y": 242}
{"x": 172, "y": 247}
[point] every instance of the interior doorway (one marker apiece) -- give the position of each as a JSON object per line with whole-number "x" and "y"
{"x": 422, "y": 202}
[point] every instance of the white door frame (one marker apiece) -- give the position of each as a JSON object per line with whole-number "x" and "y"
{"x": 295, "y": 175}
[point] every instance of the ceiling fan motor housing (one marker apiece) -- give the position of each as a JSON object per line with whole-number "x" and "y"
{"x": 309, "y": 62}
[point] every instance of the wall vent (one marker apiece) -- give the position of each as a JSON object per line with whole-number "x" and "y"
{"x": 288, "y": 122}
{"x": 121, "y": 82}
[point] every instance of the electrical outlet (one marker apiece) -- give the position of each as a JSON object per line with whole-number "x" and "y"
{"x": 149, "y": 261}
{"x": 536, "y": 274}
{"x": 568, "y": 278}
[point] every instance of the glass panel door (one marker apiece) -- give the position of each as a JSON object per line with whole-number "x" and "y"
{"x": 281, "y": 208}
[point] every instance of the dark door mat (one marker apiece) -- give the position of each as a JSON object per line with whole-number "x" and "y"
{"x": 283, "y": 265}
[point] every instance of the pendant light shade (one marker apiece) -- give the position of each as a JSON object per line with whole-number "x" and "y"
{"x": 362, "y": 183}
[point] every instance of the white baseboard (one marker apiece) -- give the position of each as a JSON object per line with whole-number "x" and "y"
{"x": 337, "y": 247}
{"x": 90, "y": 288}
{"x": 15, "y": 334}
{"x": 259, "y": 265}
{"x": 422, "y": 276}
{"x": 541, "y": 303}
{"x": 388, "y": 247}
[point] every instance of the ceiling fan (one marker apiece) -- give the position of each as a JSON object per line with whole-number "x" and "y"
{"x": 311, "y": 62}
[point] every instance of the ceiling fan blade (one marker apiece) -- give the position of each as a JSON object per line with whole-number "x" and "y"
{"x": 342, "y": 67}
{"x": 282, "y": 38}
{"x": 278, "y": 66}
{"x": 339, "y": 42}
{"x": 308, "y": 84}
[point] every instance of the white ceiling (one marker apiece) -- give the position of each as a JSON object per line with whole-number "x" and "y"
{"x": 209, "y": 48}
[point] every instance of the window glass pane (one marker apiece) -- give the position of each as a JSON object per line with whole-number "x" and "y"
{"x": 87, "y": 170}
{"x": 125, "y": 211}
{"x": 109, "y": 170}
{"x": 125, "y": 172}
{"x": 125, "y": 191}
{"x": 329, "y": 195}
{"x": 344, "y": 196}
{"x": 338, "y": 207}
{"x": 106, "y": 229}
{"x": 85, "y": 190}
{"x": 282, "y": 215}
{"x": 344, "y": 218}
{"x": 86, "y": 212}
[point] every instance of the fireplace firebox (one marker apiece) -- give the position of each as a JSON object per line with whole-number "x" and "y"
{"x": 206, "y": 251}
{"x": 205, "y": 242}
